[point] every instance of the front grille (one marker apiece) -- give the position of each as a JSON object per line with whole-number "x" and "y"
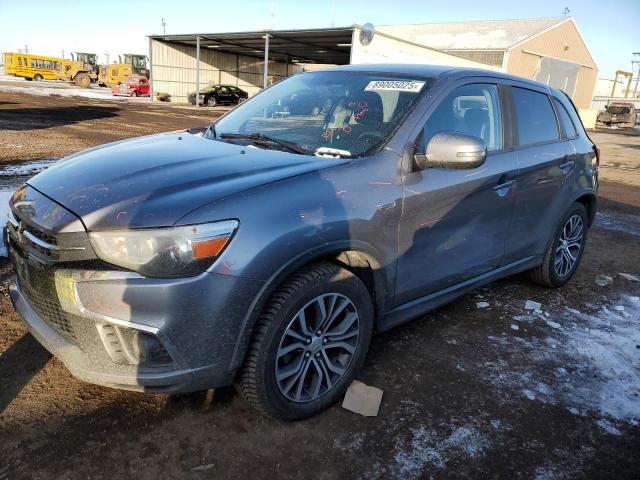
{"x": 37, "y": 283}
{"x": 45, "y": 303}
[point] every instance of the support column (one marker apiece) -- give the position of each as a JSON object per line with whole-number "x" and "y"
{"x": 150, "y": 79}
{"x": 197, "y": 71}
{"x": 266, "y": 60}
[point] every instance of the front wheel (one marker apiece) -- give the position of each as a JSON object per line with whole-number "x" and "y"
{"x": 211, "y": 101}
{"x": 134, "y": 93}
{"x": 563, "y": 255}
{"x": 309, "y": 343}
{"x": 37, "y": 77}
{"x": 83, "y": 80}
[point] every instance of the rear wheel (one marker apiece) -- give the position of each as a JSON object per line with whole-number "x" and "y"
{"x": 309, "y": 343}
{"x": 563, "y": 255}
{"x": 37, "y": 77}
{"x": 83, "y": 80}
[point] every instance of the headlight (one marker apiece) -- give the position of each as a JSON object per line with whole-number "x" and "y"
{"x": 164, "y": 252}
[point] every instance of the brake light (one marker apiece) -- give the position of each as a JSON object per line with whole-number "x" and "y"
{"x": 596, "y": 150}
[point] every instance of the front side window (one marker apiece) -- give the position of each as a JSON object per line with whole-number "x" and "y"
{"x": 565, "y": 119}
{"x": 350, "y": 111}
{"x": 471, "y": 109}
{"x": 536, "y": 119}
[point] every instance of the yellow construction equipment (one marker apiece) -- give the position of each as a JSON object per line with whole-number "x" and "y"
{"x": 117, "y": 73}
{"x": 81, "y": 69}
{"x": 628, "y": 76}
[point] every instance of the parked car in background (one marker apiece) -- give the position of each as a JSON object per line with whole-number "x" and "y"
{"x": 214, "y": 94}
{"x": 267, "y": 251}
{"x": 622, "y": 114}
{"x": 133, "y": 86}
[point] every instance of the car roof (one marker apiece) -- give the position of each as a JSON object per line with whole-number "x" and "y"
{"x": 434, "y": 71}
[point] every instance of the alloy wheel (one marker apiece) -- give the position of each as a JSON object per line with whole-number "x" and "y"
{"x": 569, "y": 245}
{"x": 317, "y": 347}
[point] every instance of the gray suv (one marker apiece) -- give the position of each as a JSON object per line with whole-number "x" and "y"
{"x": 265, "y": 250}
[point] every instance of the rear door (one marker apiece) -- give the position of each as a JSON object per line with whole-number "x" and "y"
{"x": 225, "y": 95}
{"x": 546, "y": 162}
{"x": 454, "y": 222}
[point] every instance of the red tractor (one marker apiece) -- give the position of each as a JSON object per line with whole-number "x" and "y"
{"x": 133, "y": 86}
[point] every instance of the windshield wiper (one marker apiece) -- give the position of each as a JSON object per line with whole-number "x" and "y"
{"x": 261, "y": 138}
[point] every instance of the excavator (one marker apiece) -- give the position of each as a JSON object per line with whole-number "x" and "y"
{"x": 82, "y": 69}
{"x": 117, "y": 73}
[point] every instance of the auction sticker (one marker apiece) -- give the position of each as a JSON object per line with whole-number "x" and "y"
{"x": 395, "y": 85}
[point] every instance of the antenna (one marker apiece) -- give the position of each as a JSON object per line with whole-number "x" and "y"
{"x": 566, "y": 11}
{"x": 164, "y": 26}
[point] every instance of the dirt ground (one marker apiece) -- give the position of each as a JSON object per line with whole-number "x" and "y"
{"x": 473, "y": 390}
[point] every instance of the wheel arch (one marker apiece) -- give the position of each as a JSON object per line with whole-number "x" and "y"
{"x": 358, "y": 257}
{"x": 590, "y": 201}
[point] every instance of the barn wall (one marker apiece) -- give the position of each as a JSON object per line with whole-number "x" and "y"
{"x": 562, "y": 42}
{"x": 173, "y": 70}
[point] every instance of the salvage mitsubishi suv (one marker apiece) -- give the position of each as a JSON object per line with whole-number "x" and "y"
{"x": 265, "y": 251}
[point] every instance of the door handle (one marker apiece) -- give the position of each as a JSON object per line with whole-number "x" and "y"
{"x": 565, "y": 167}
{"x": 502, "y": 189}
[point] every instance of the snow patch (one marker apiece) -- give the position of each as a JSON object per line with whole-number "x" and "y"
{"x": 595, "y": 355}
{"x": 426, "y": 448}
{"x": 629, "y": 224}
{"x": 94, "y": 93}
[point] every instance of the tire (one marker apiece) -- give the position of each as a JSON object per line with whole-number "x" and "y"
{"x": 83, "y": 80}
{"x": 134, "y": 93}
{"x": 211, "y": 101}
{"x": 278, "y": 329}
{"x": 37, "y": 77}
{"x": 551, "y": 273}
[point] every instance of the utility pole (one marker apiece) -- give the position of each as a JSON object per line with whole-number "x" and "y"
{"x": 333, "y": 13}
{"x": 26, "y": 48}
{"x": 635, "y": 67}
{"x": 164, "y": 26}
{"x": 273, "y": 14}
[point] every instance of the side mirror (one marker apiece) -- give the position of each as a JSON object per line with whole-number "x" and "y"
{"x": 452, "y": 150}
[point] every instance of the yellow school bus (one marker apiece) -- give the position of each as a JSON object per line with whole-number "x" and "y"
{"x": 8, "y": 64}
{"x": 31, "y": 67}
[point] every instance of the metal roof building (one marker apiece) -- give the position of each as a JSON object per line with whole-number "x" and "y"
{"x": 550, "y": 50}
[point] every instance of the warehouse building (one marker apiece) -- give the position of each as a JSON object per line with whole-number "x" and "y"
{"x": 550, "y": 50}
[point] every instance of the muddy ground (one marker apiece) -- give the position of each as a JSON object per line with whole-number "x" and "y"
{"x": 469, "y": 392}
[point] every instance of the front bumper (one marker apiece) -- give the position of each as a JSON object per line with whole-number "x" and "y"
{"x": 197, "y": 321}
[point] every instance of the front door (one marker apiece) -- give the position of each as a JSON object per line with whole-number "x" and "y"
{"x": 454, "y": 222}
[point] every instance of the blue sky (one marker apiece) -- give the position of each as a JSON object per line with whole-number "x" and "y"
{"x": 610, "y": 28}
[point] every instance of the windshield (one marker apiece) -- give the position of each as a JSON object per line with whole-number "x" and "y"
{"x": 353, "y": 112}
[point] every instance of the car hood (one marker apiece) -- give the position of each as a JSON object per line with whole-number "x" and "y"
{"x": 154, "y": 181}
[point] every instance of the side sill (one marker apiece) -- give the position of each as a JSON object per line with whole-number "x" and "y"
{"x": 420, "y": 306}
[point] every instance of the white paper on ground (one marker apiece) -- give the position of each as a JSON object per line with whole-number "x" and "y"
{"x": 362, "y": 399}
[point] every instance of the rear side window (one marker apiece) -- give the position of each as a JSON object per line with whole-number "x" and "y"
{"x": 536, "y": 119}
{"x": 565, "y": 119}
